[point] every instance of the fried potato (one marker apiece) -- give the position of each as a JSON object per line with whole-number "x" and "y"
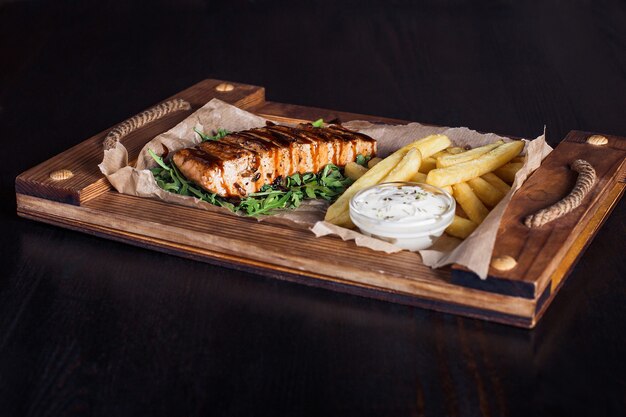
{"x": 342, "y": 218}
{"x": 471, "y": 204}
{"x": 455, "y": 149}
{"x": 459, "y": 158}
{"x": 507, "y": 172}
{"x": 441, "y": 153}
{"x": 460, "y": 212}
{"x": 418, "y": 177}
{"x": 461, "y": 227}
{"x": 428, "y": 164}
{"x": 354, "y": 171}
{"x": 406, "y": 168}
{"x": 487, "y": 162}
{"x": 494, "y": 180}
{"x": 521, "y": 158}
{"x": 339, "y": 212}
{"x": 429, "y": 145}
{"x": 486, "y": 192}
{"x": 373, "y": 162}
{"x": 421, "y": 177}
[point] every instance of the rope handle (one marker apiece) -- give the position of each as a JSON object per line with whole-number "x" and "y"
{"x": 139, "y": 120}
{"x": 584, "y": 182}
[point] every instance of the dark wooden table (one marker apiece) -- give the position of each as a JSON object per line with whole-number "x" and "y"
{"x": 93, "y": 327}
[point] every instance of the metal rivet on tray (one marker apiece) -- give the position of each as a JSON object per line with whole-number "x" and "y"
{"x": 61, "y": 174}
{"x": 225, "y": 87}
{"x": 503, "y": 263}
{"x": 597, "y": 140}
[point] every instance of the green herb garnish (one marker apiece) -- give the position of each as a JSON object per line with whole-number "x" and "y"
{"x": 217, "y": 136}
{"x": 287, "y": 193}
{"x": 363, "y": 160}
{"x": 318, "y": 123}
{"x": 158, "y": 159}
{"x": 169, "y": 178}
{"x": 328, "y": 184}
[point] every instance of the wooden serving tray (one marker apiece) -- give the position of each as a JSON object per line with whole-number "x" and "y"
{"x": 519, "y": 297}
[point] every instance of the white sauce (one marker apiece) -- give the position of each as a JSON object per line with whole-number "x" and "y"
{"x": 400, "y": 204}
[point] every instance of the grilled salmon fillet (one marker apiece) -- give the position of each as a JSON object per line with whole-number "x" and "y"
{"x": 242, "y": 162}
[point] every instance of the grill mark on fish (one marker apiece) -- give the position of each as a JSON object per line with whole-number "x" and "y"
{"x": 242, "y": 162}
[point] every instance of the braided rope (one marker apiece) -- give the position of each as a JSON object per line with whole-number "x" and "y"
{"x": 142, "y": 119}
{"x": 584, "y": 182}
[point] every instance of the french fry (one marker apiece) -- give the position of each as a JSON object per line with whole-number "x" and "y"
{"x": 455, "y": 149}
{"x": 373, "y": 162}
{"x": 354, "y": 170}
{"x": 427, "y": 165}
{"x": 471, "y": 204}
{"x": 486, "y": 192}
{"x": 342, "y": 218}
{"x": 421, "y": 177}
{"x": 459, "y": 158}
{"x": 460, "y": 212}
{"x": 520, "y": 158}
{"x": 494, "y": 180}
{"x": 461, "y": 227}
{"x": 429, "y": 145}
{"x": 441, "y": 153}
{"x": 507, "y": 172}
{"x": 339, "y": 212}
{"x": 487, "y": 162}
{"x": 406, "y": 168}
{"x": 418, "y": 177}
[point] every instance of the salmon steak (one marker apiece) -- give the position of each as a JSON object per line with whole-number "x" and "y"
{"x": 241, "y": 163}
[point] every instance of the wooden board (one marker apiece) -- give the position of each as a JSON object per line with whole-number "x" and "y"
{"x": 518, "y": 297}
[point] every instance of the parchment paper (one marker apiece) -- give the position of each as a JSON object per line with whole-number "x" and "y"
{"x": 474, "y": 252}
{"x": 138, "y": 180}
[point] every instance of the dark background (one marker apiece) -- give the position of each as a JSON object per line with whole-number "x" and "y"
{"x": 93, "y": 327}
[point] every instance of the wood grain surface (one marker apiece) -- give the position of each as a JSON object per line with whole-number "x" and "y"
{"x": 82, "y": 160}
{"x": 544, "y": 255}
{"x": 95, "y": 327}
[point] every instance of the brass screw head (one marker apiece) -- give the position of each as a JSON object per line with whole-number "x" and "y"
{"x": 225, "y": 87}
{"x": 61, "y": 174}
{"x": 597, "y": 140}
{"x": 503, "y": 263}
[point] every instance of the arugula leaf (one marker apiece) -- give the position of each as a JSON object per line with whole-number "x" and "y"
{"x": 287, "y": 193}
{"x": 219, "y": 135}
{"x": 158, "y": 159}
{"x": 318, "y": 123}
{"x": 363, "y": 159}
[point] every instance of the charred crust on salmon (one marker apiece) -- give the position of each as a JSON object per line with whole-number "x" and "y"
{"x": 242, "y": 162}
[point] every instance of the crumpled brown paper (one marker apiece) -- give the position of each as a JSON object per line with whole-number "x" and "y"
{"x": 138, "y": 180}
{"x": 474, "y": 252}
